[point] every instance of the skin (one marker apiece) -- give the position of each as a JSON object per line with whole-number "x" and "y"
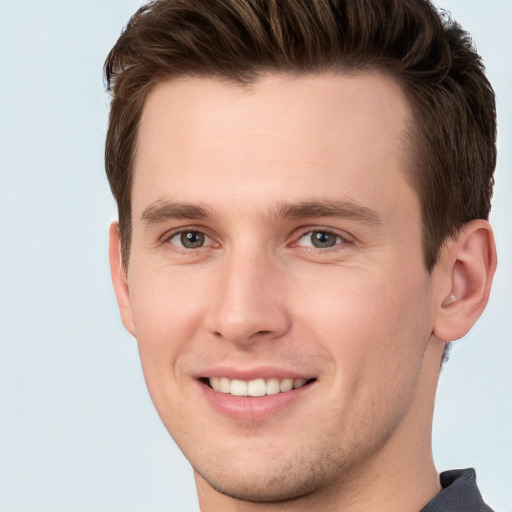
{"x": 362, "y": 318}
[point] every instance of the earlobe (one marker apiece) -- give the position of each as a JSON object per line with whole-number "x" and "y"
{"x": 119, "y": 278}
{"x": 467, "y": 263}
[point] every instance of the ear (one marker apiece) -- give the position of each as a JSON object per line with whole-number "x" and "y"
{"x": 119, "y": 278}
{"x": 467, "y": 264}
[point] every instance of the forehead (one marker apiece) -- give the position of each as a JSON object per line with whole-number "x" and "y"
{"x": 307, "y": 130}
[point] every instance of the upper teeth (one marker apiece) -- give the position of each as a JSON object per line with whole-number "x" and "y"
{"x": 256, "y": 387}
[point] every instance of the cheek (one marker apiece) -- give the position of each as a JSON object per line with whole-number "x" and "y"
{"x": 165, "y": 322}
{"x": 369, "y": 325}
{"x": 375, "y": 336}
{"x": 166, "y": 314}
{"x": 165, "y": 304}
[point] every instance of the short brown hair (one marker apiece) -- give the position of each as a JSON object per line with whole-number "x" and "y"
{"x": 453, "y": 138}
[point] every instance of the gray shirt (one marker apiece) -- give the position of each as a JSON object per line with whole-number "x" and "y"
{"x": 459, "y": 493}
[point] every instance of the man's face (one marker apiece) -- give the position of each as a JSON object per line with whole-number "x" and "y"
{"x": 277, "y": 242}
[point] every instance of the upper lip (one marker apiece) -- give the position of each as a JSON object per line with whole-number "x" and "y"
{"x": 247, "y": 374}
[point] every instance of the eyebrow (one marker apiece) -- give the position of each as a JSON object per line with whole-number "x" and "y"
{"x": 161, "y": 211}
{"x": 346, "y": 209}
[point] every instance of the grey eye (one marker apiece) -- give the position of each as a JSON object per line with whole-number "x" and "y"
{"x": 189, "y": 239}
{"x": 320, "y": 239}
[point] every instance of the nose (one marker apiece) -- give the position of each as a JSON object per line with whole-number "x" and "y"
{"x": 248, "y": 303}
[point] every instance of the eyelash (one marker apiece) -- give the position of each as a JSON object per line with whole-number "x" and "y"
{"x": 341, "y": 239}
{"x": 182, "y": 231}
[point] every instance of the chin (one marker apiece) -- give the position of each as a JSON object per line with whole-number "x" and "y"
{"x": 271, "y": 483}
{"x": 266, "y": 490}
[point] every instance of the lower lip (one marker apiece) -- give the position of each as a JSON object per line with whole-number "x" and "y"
{"x": 251, "y": 408}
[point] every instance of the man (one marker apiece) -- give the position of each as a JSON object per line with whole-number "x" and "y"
{"x": 303, "y": 193}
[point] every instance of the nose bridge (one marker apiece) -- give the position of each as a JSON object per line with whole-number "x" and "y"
{"x": 248, "y": 302}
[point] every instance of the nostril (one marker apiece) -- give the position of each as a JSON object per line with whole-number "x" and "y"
{"x": 262, "y": 333}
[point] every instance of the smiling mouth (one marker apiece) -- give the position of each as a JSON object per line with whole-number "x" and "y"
{"x": 255, "y": 387}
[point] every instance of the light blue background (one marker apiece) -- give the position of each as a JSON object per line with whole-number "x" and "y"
{"x": 77, "y": 429}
